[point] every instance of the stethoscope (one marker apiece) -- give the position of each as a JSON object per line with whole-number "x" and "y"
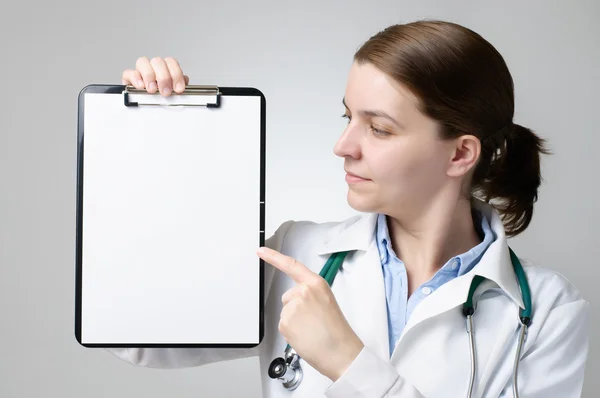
{"x": 289, "y": 371}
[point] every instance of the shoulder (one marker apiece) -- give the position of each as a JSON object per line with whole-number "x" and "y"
{"x": 550, "y": 286}
{"x": 301, "y": 234}
{"x": 299, "y": 238}
{"x": 558, "y": 306}
{"x": 558, "y": 337}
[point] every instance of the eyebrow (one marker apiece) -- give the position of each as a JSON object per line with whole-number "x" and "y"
{"x": 375, "y": 113}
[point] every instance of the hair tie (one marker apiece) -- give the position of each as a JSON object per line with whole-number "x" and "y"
{"x": 500, "y": 132}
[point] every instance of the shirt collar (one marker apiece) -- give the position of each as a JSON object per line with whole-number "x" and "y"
{"x": 383, "y": 238}
{"x": 470, "y": 258}
{"x": 359, "y": 232}
{"x": 466, "y": 260}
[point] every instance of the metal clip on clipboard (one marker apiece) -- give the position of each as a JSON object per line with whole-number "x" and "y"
{"x": 207, "y": 96}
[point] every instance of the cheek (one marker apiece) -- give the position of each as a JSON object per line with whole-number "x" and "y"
{"x": 417, "y": 164}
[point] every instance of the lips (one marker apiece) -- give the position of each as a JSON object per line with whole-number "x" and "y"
{"x": 355, "y": 175}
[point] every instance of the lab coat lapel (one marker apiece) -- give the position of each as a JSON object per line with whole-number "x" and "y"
{"x": 358, "y": 234}
{"x": 494, "y": 265}
{"x": 354, "y": 233}
{"x": 361, "y": 292}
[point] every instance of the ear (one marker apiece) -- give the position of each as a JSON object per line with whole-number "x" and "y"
{"x": 465, "y": 154}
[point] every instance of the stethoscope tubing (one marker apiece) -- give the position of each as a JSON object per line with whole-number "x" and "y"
{"x": 330, "y": 270}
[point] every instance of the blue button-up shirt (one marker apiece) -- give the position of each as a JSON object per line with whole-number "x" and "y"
{"x": 396, "y": 283}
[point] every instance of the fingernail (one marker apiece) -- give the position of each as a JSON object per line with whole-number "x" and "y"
{"x": 179, "y": 87}
{"x": 166, "y": 90}
{"x": 140, "y": 83}
{"x": 152, "y": 86}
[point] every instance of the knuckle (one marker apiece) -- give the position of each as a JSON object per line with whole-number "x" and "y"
{"x": 163, "y": 78}
{"x": 317, "y": 283}
{"x": 282, "y": 326}
{"x": 303, "y": 290}
{"x": 148, "y": 75}
{"x": 126, "y": 75}
{"x": 171, "y": 60}
{"x": 141, "y": 61}
{"x": 155, "y": 60}
{"x": 176, "y": 74}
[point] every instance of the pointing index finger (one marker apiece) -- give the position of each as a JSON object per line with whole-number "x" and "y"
{"x": 290, "y": 266}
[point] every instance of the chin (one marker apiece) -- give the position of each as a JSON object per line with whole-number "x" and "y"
{"x": 363, "y": 203}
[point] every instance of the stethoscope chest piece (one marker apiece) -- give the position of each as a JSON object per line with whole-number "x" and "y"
{"x": 287, "y": 369}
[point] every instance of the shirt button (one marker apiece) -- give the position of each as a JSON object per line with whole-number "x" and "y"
{"x": 426, "y": 290}
{"x": 454, "y": 264}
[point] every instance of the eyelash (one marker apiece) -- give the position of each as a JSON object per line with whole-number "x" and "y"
{"x": 376, "y": 131}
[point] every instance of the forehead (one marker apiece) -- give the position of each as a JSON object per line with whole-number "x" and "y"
{"x": 368, "y": 87}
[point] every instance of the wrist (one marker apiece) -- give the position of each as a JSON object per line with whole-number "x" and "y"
{"x": 344, "y": 356}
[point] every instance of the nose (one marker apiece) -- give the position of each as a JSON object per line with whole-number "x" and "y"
{"x": 348, "y": 144}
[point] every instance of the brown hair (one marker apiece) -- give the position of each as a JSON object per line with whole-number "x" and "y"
{"x": 464, "y": 84}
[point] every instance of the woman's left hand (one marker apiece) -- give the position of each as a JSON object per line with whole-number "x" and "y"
{"x": 311, "y": 319}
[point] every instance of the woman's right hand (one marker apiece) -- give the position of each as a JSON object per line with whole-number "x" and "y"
{"x": 160, "y": 74}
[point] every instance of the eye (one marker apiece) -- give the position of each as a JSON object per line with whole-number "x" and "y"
{"x": 379, "y": 132}
{"x": 373, "y": 129}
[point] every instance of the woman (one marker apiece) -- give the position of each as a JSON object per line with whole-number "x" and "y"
{"x": 443, "y": 176}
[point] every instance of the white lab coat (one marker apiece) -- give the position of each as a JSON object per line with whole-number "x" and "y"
{"x": 431, "y": 358}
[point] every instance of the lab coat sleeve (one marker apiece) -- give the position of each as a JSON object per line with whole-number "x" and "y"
{"x": 554, "y": 365}
{"x": 370, "y": 376}
{"x": 191, "y": 357}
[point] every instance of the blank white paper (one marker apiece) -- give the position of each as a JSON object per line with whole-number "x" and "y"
{"x": 170, "y": 222}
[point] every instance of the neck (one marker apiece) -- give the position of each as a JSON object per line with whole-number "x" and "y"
{"x": 433, "y": 234}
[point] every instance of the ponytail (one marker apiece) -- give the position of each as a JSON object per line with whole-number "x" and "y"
{"x": 508, "y": 174}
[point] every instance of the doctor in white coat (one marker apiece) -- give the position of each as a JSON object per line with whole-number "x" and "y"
{"x": 441, "y": 177}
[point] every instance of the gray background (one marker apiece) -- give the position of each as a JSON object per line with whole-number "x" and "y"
{"x": 298, "y": 54}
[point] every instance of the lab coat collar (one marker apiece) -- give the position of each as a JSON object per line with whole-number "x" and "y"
{"x": 358, "y": 233}
{"x": 354, "y": 233}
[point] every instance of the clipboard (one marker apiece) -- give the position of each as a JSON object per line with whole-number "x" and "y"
{"x": 170, "y": 212}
